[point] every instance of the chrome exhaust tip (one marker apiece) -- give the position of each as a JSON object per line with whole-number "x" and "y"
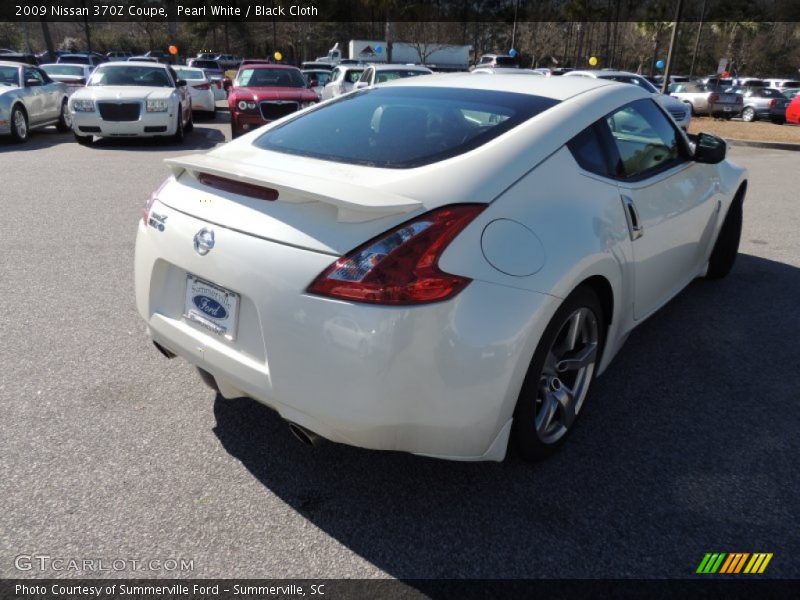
{"x": 309, "y": 438}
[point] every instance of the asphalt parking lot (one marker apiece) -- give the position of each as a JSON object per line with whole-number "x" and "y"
{"x": 107, "y": 449}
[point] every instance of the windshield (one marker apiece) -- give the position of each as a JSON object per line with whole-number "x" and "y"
{"x": 9, "y": 76}
{"x": 322, "y": 77}
{"x": 505, "y": 61}
{"x": 402, "y": 127}
{"x": 640, "y": 81}
{"x": 270, "y": 78}
{"x": 190, "y": 74}
{"x": 63, "y": 70}
{"x": 131, "y": 75}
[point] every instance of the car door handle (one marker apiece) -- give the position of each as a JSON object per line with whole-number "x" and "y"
{"x": 632, "y": 216}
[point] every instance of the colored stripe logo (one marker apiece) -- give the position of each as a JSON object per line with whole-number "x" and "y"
{"x": 734, "y": 562}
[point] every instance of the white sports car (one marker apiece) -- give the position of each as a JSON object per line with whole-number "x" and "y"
{"x": 441, "y": 265}
{"x": 131, "y": 99}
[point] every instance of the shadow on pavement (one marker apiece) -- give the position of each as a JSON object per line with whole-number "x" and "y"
{"x": 688, "y": 445}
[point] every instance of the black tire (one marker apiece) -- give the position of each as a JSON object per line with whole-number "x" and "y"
{"x": 17, "y": 135}
{"x": 727, "y": 117}
{"x": 726, "y": 248}
{"x": 63, "y": 124}
{"x": 525, "y": 440}
{"x": 84, "y": 140}
{"x": 179, "y": 134}
{"x": 190, "y": 122}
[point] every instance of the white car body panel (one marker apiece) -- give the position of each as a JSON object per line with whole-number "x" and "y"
{"x": 437, "y": 379}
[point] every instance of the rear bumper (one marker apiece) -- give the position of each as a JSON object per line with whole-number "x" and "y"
{"x": 439, "y": 380}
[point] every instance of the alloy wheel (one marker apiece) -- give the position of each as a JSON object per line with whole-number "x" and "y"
{"x": 567, "y": 373}
{"x": 20, "y": 125}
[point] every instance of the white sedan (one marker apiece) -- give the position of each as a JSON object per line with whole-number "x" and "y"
{"x": 200, "y": 89}
{"x": 131, "y": 99}
{"x": 441, "y": 265}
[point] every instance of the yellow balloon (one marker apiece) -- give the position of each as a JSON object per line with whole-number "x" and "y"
{"x": 278, "y": 56}
{"x": 593, "y": 61}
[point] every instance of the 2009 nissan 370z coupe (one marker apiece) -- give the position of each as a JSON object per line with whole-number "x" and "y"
{"x": 441, "y": 265}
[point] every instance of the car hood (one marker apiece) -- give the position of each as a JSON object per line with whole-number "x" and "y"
{"x": 258, "y": 94}
{"x": 5, "y": 89}
{"x": 123, "y": 92}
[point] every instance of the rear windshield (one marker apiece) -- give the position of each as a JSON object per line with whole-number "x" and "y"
{"x": 205, "y": 64}
{"x": 75, "y": 60}
{"x": 384, "y": 76}
{"x": 505, "y": 61}
{"x": 63, "y": 70}
{"x": 190, "y": 73}
{"x": 403, "y": 127}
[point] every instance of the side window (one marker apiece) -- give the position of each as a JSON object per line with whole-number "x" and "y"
{"x": 33, "y": 74}
{"x": 588, "y": 151}
{"x": 644, "y": 138}
{"x": 365, "y": 76}
{"x": 174, "y": 76}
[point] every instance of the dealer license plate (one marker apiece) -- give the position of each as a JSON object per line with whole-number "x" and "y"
{"x": 211, "y": 306}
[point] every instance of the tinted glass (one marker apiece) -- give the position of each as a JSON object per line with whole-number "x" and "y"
{"x": 74, "y": 70}
{"x": 769, "y": 93}
{"x": 353, "y": 75}
{"x": 384, "y": 76}
{"x": 505, "y": 61}
{"x": 190, "y": 74}
{"x": 205, "y": 64}
{"x": 75, "y": 60}
{"x": 125, "y": 75}
{"x": 402, "y": 127}
{"x": 270, "y": 78}
{"x": 8, "y": 76}
{"x": 588, "y": 151}
{"x": 644, "y": 138}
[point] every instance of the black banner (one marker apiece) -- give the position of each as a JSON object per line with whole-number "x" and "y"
{"x": 390, "y": 589}
{"x": 109, "y": 11}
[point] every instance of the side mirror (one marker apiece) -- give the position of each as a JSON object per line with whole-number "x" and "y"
{"x": 181, "y": 82}
{"x": 708, "y": 148}
{"x": 32, "y": 82}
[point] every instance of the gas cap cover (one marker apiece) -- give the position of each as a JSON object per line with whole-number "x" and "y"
{"x": 512, "y": 248}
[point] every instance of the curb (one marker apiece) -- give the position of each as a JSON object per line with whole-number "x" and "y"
{"x": 770, "y": 145}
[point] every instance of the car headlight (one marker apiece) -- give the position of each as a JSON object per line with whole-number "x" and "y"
{"x": 79, "y": 105}
{"x": 157, "y": 105}
{"x": 245, "y": 105}
{"x": 306, "y": 104}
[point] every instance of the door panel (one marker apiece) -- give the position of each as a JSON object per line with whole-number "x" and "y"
{"x": 671, "y": 202}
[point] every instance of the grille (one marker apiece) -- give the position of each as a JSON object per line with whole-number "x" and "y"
{"x": 677, "y": 114}
{"x": 275, "y": 110}
{"x": 119, "y": 111}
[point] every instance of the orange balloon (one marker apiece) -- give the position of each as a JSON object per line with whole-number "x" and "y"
{"x": 173, "y": 49}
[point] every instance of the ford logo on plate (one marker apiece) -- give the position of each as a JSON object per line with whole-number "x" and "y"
{"x": 210, "y": 307}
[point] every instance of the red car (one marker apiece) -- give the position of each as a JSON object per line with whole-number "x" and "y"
{"x": 264, "y": 93}
{"x": 793, "y": 111}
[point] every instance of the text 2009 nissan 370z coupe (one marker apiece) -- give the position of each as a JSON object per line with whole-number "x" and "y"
{"x": 441, "y": 265}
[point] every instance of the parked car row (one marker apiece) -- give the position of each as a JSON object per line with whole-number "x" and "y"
{"x": 746, "y": 97}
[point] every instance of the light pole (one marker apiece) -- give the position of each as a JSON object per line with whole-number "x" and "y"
{"x": 672, "y": 43}
{"x": 514, "y": 28}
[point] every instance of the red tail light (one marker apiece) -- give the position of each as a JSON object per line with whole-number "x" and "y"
{"x": 219, "y": 84}
{"x": 713, "y": 98}
{"x": 772, "y": 103}
{"x": 400, "y": 267}
{"x": 202, "y": 86}
{"x": 153, "y": 197}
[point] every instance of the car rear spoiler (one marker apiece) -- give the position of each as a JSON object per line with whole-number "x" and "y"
{"x": 354, "y": 203}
